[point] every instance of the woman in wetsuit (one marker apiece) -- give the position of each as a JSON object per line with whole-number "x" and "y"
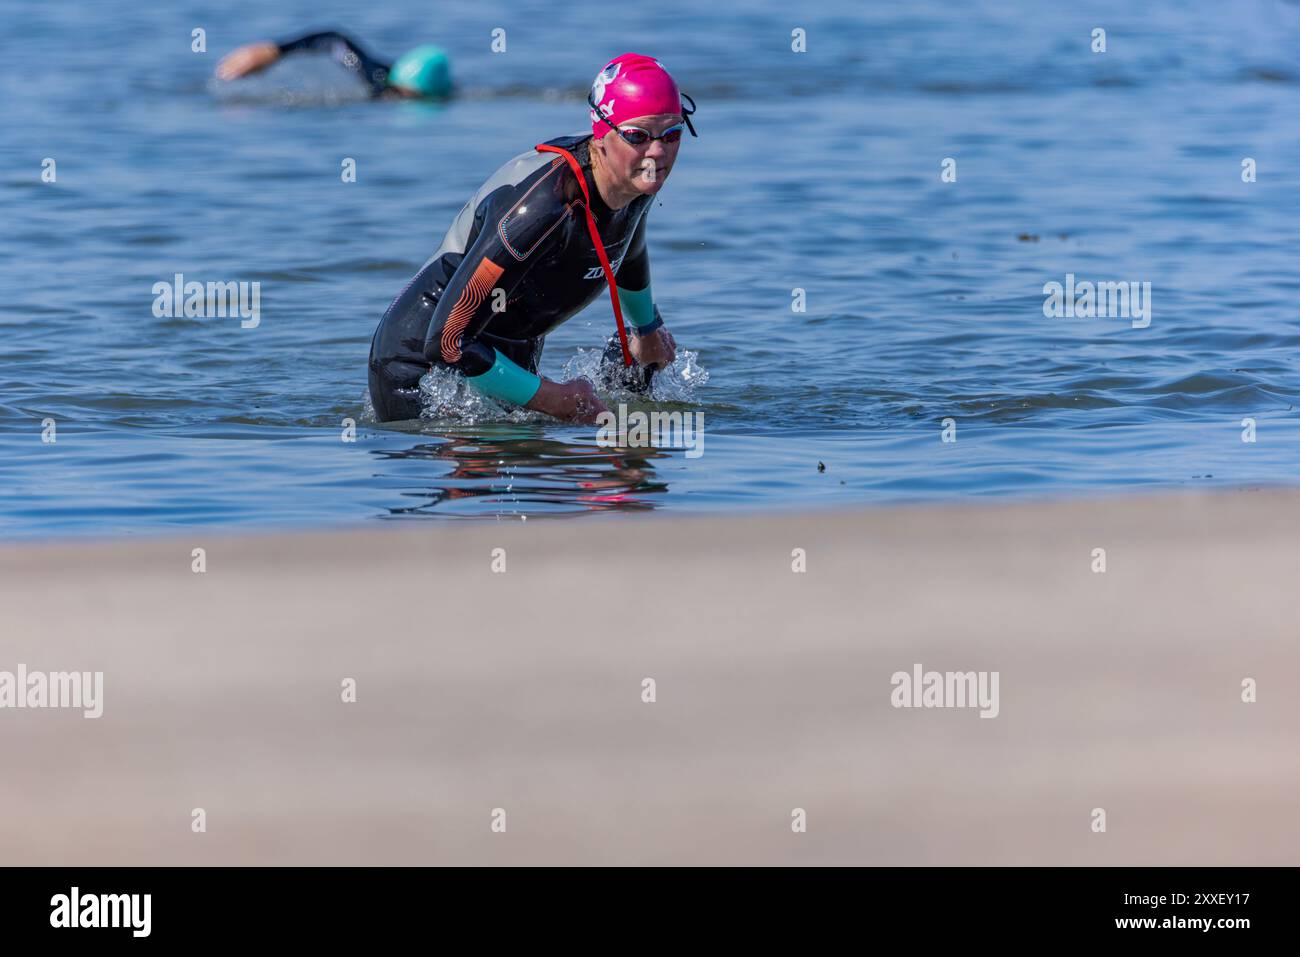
{"x": 520, "y": 257}
{"x": 422, "y": 72}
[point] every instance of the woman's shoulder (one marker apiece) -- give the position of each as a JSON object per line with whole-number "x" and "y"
{"x": 527, "y": 168}
{"x": 575, "y": 143}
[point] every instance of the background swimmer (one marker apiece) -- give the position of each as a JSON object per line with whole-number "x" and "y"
{"x": 422, "y": 72}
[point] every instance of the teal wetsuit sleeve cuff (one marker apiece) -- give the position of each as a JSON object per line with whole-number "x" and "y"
{"x": 638, "y": 306}
{"x": 507, "y": 380}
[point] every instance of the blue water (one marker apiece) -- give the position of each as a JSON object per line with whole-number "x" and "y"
{"x": 817, "y": 171}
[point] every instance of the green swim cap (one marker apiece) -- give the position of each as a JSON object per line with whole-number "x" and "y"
{"x": 425, "y": 69}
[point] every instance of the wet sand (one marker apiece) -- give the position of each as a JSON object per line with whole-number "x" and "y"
{"x": 522, "y": 690}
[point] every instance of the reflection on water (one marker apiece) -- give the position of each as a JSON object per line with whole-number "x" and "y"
{"x": 518, "y": 471}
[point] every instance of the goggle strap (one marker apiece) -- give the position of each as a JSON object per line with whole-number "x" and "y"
{"x": 686, "y": 114}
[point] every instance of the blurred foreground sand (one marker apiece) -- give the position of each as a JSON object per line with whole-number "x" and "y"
{"x": 522, "y": 690}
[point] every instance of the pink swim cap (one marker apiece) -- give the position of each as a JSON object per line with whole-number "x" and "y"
{"x": 632, "y": 85}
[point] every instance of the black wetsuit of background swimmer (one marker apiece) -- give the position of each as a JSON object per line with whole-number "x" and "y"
{"x": 348, "y": 53}
{"x": 521, "y": 242}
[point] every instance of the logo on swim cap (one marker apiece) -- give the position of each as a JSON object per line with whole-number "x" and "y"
{"x": 603, "y": 79}
{"x": 605, "y": 76}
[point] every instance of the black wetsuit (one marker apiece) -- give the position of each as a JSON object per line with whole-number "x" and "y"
{"x": 372, "y": 72}
{"x": 520, "y": 243}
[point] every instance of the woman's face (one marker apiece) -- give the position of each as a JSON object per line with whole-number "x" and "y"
{"x": 643, "y": 168}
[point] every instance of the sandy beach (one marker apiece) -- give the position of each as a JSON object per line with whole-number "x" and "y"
{"x": 522, "y": 690}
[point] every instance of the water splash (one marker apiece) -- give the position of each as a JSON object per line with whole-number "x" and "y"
{"x": 673, "y": 383}
{"x": 446, "y": 397}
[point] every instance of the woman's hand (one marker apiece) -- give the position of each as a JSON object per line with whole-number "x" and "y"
{"x": 656, "y": 350}
{"x": 574, "y": 400}
{"x": 247, "y": 59}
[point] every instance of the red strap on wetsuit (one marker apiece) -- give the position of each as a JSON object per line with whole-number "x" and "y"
{"x": 595, "y": 238}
